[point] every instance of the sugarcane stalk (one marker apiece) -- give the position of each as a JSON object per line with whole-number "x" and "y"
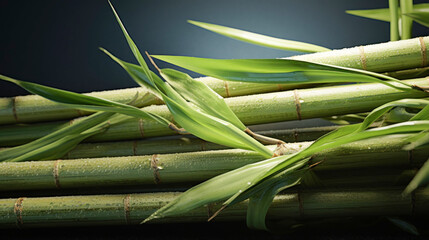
{"x": 383, "y": 57}
{"x": 133, "y": 208}
{"x": 409, "y": 73}
{"x": 254, "y": 109}
{"x": 167, "y": 169}
{"x": 394, "y": 20}
{"x": 406, "y": 22}
{"x": 182, "y": 144}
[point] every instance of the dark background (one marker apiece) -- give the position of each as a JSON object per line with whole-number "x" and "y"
{"x": 56, "y": 42}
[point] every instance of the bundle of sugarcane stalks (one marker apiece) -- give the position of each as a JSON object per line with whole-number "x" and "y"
{"x": 131, "y": 161}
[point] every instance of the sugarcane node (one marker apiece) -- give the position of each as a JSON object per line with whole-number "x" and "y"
{"x": 56, "y": 173}
{"x": 141, "y": 128}
{"x": 17, "y": 209}
{"x": 226, "y": 89}
{"x": 362, "y": 57}
{"x": 15, "y": 115}
{"x": 280, "y": 150}
{"x": 300, "y": 204}
{"x": 127, "y": 199}
{"x": 423, "y": 51}
{"x": 203, "y": 145}
{"x": 295, "y": 134}
{"x": 154, "y": 165}
{"x": 135, "y": 148}
{"x": 297, "y": 104}
{"x": 410, "y": 157}
{"x": 152, "y": 61}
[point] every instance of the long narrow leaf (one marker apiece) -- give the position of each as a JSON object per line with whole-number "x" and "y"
{"x": 84, "y": 102}
{"x": 420, "y": 15}
{"x": 201, "y": 95}
{"x": 383, "y": 14}
{"x": 260, "y": 39}
{"x": 279, "y": 71}
{"x": 256, "y": 173}
{"x": 421, "y": 178}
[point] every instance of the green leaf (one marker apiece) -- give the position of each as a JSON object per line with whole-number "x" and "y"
{"x": 84, "y": 102}
{"x": 200, "y": 124}
{"x": 19, "y": 153}
{"x": 278, "y": 71}
{"x": 214, "y": 189}
{"x": 201, "y": 95}
{"x": 420, "y": 15}
{"x": 213, "y": 129}
{"x": 133, "y": 47}
{"x": 263, "y": 196}
{"x": 383, "y": 14}
{"x": 404, "y": 225}
{"x": 239, "y": 182}
{"x": 421, "y": 179}
{"x": 259, "y": 39}
{"x": 417, "y": 140}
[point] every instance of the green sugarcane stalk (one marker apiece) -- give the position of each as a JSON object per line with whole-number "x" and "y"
{"x": 182, "y": 144}
{"x": 133, "y": 208}
{"x": 383, "y": 57}
{"x": 409, "y": 73}
{"x": 167, "y": 169}
{"x": 394, "y": 20}
{"x": 406, "y": 22}
{"x": 254, "y": 109}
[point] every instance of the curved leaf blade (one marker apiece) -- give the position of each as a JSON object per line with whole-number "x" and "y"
{"x": 84, "y": 102}
{"x": 279, "y": 71}
{"x": 259, "y": 39}
{"x": 201, "y": 95}
{"x": 421, "y": 16}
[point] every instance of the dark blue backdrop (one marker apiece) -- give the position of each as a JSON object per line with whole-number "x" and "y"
{"x": 56, "y": 42}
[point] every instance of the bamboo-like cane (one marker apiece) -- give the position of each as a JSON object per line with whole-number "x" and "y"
{"x": 383, "y": 57}
{"x": 167, "y": 169}
{"x": 253, "y": 109}
{"x": 182, "y": 144}
{"x": 133, "y": 208}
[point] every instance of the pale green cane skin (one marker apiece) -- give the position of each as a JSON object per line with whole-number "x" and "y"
{"x": 252, "y": 109}
{"x": 182, "y": 144}
{"x": 194, "y": 167}
{"x": 133, "y": 208}
{"x": 383, "y": 57}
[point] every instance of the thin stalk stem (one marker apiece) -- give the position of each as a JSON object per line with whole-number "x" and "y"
{"x": 133, "y": 208}
{"x": 254, "y": 109}
{"x": 166, "y": 169}
{"x": 394, "y": 20}
{"x": 383, "y": 57}
{"x": 407, "y": 22}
